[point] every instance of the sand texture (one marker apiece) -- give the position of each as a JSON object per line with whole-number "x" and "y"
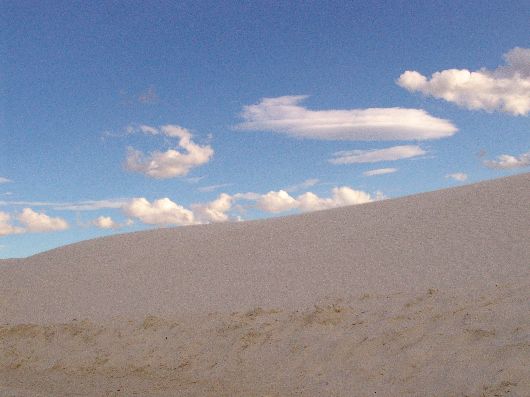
{"x": 427, "y": 295}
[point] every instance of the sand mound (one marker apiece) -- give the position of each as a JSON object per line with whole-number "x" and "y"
{"x": 423, "y": 295}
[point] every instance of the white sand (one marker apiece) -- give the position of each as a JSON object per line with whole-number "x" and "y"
{"x": 426, "y": 295}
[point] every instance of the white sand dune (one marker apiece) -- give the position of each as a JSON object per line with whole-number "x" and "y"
{"x": 427, "y": 295}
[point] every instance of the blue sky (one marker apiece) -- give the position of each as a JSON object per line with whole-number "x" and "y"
{"x": 123, "y": 116}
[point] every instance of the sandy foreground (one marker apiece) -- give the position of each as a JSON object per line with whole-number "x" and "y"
{"x": 427, "y": 295}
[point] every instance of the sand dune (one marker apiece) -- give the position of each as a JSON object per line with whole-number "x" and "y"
{"x": 426, "y": 295}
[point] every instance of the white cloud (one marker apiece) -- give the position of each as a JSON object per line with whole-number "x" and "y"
{"x": 376, "y": 155}
{"x": 4, "y": 180}
{"x": 105, "y": 222}
{"x": 505, "y": 89}
{"x": 457, "y": 176}
{"x": 6, "y": 227}
{"x": 159, "y": 212}
{"x": 247, "y": 196}
{"x": 166, "y": 212}
{"x": 171, "y": 163}
{"x": 90, "y": 205}
{"x": 340, "y": 196}
{"x": 40, "y": 222}
{"x": 380, "y": 171}
{"x": 286, "y": 115}
{"x": 87, "y": 205}
{"x": 506, "y": 161}
{"x": 214, "y": 211}
{"x": 211, "y": 188}
{"x": 279, "y": 201}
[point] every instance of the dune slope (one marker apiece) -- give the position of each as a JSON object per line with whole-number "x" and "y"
{"x": 422, "y": 295}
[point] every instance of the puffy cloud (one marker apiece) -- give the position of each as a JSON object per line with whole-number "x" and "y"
{"x": 380, "y": 171}
{"x": 457, "y": 176}
{"x": 159, "y": 212}
{"x": 105, "y": 222}
{"x": 4, "y": 180}
{"x": 214, "y": 211}
{"x": 376, "y": 155}
{"x": 166, "y": 212}
{"x": 505, "y": 89}
{"x": 506, "y": 161}
{"x": 286, "y": 115}
{"x": 6, "y": 227}
{"x": 279, "y": 201}
{"x": 40, "y": 222}
{"x": 171, "y": 163}
{"x": 340, "y": 196}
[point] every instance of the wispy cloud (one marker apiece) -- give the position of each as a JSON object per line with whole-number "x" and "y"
{"x": 88, "y": 205}
{"x": 376, "y": 155}
{"x": 171, "y": 163}
{"x": 211, "y": 188}
{"x": 149, "y": 96}
{"x": 380, "y": 171}
{"x": 194, "y": 179}
{"x": 286, "y": 115}
{"x": 457, "y": 176}
{"x": 506, "y": 89}
{"x": 4, "y": 180}
{"x": 304, "y": 185}
{"x": 507, "y": 161}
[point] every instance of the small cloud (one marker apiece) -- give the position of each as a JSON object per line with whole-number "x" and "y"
{"x": 304, "y": 185}
{"x": 281, "y": 201}
{"x": 90, "y": 205}
{"x": 194, "y": 179}
{"x": 380, "y": 171}
{"x": 376, "y": 155}
{"x": 159, "y": 212}
{"x": 215, "y": 211}
{"x": 40, "y": 222}
{"x": 105, "y": 222}
{"x": 505, "y": 89}
{"x": 285, "y": 115}
{"x": 171, "y": 163}
{"x": 166, "y": 212}
{"x": 211, "y": 188}
{"x": 149, "y": 96}
{"x": 457, "y": 176}
{"x": 4, "y": 180}
{"x": 507, "y": 161}
{"x": 6, "y": 227}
